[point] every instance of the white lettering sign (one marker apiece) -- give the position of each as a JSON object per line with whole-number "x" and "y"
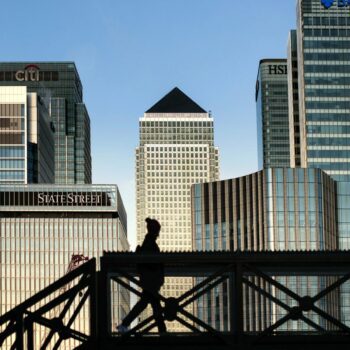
{"x": 69, "y": 199}
{"x": 30, "y": 73}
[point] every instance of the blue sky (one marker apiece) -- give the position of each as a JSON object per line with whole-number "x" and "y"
{"x": 130, "y": 53}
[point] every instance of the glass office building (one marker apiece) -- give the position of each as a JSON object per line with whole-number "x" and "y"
{"x": 272, "y": 114}
{"x": 324, "y": 77}
{"x": 59, "y": 83}
{"x": 324, "y": 99}
{"x": 176, "y": 150}
{"x": 42, "y": 226}
{"x": 273, "y": 209}
{"x": 26, "y": 138}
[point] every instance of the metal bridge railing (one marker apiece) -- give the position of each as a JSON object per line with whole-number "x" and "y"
{"x": 19, "y": 324}
{"x": 264, "y": 299}
{"x": 269, "y": 294}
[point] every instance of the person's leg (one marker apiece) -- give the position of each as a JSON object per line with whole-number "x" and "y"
{"x": 136, "y": 310}
{"x": 157, "y": 313}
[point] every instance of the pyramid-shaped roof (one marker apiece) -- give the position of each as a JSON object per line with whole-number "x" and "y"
{"x": 176, "y": 102}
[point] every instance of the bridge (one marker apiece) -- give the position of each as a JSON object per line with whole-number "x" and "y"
{"x": 271, "y": 300}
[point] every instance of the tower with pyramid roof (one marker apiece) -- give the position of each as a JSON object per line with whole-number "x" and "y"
{"x": 176, "y": 149}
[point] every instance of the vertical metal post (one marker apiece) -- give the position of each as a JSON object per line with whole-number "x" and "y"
{"x": 102, "y": 324}
{"x": 30, "y": 335}
{"x": 19, "y": 332}
{"x": 236, "y": 302}
{"x": 93, "y": 304}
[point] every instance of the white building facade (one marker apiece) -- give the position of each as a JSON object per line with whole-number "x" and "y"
{"x": 176, "y": 150}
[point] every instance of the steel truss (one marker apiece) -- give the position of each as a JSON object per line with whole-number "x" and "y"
{"x": 19, "y": 323}
{"x": 243, "y": 271}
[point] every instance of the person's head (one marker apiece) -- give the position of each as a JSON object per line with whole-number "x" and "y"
{"x": 153, "y": 227}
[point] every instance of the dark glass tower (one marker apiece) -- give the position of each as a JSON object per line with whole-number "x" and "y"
{"x": 323, "y": 33}
{"x": 272, "y": 114}
{"x": 60, "y": 84}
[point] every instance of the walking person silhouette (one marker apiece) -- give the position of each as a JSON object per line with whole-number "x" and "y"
{"x": 151, "y": 280}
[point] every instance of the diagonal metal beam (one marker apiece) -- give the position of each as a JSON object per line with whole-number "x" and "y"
{"x": 52, "y": 325}
{"x": 208, "y": 328}
{"x": 62, "y": 314}
{"x": 134, "y": 280}
{"x": 274, "y": 282}
{"x": 10, "y": 328}
{"x": 147, "y": 329}
{"x": 137, "y": 327}
{"x": 280, "y": 303}
{"x": 73, "y": 317}
{"x": 203, "y": 291}
{"x": 62, "y": 297}
{"x": 330, "y": 288}
{"x": 187, "y": 325}
{"x": 270, "y": 329}
{"x": 127, "y": 286}
{"x": 330, "y": 318}
{"x": 89, "y": 267}
{"x": 205, "y": 282}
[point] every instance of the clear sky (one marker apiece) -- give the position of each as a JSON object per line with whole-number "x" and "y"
{"x": 129, "y": 53}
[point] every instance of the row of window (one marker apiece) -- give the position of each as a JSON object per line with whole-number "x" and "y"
{"x": 327, "y": 68}
{"x": 15, "y": 175}
{"x": 326, "y": 21}
{"x": 328, "y": 129}
{"x": 328, "y": 104}
{"x": 181, "y": 157}
{"x": 10, "y": 152}
{"x": 330, "y": 165}
{"x": 327, "y": 56}
{"x": 327, "y": 92}
{"x": 328, "y": 141}
{"x": 327, "y": 44}
{"x": 327, "y": 32}
{"x": 328, "y": 117}
{"x": 328, "y": 154}
{"x": 11, "y": 110}
{"x": 176, "y": 124}
{"x": 182, "y": 174}
{"x": 11, "y": 164}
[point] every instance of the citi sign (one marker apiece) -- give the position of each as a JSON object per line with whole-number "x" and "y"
{"x": 341, "y": 3}
{"x": 30, "y": 73}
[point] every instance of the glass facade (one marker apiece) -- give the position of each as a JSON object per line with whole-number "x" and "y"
{"x": 274, "y": 209}
{"x": 42, "y": 226}
{"x": 26, "y": 138}
{"x": 59, "y": 84}
{"x": 323, "y": 64}
{"x": 272, "y": 114}
{"x": 324, "y": 102}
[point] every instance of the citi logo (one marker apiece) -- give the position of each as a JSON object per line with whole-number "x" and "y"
{"x": 30, "y": 73}
{"x": 341, "y": 3}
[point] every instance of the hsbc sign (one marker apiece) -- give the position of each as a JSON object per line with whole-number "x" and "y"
{"x": 340, "y": 3}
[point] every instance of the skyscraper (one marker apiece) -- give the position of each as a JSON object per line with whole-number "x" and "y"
{"x": 324, "y": 99}
{"x": 176, "y": 150}
{"x": 323, "y": 46}
{"x": 26, "y": 137}
{"x": 272, "y": 114}
{"x": 59, "y": 83}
